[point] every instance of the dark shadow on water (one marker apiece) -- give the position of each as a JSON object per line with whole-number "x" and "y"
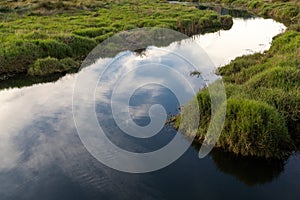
{"x": 250, "y": 171}
{"x": 23, "y": 80}
{"x": 226, "y": 11}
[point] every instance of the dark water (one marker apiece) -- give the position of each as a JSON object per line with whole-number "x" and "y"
{"x": 224, "y": 11}
{"x": 42, "y": 156}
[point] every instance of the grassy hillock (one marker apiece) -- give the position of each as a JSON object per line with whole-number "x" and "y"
{"x": 263, "y": 91}
{"x": 32, "y": 30}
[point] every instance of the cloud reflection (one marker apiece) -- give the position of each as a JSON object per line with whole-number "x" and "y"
{"x": 37, "y": 131}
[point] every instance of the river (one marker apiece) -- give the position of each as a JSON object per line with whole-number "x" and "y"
{"x": 42, "y": 156}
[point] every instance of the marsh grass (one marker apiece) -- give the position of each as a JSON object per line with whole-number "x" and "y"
{"x": 252, "y": 127}
{"x": 32, "y": 30}
{"x": 263, "y": 108}
{"x": 287, "y": 12}
{"x": 49, "y": 65}
{"x": 264, "y": 98}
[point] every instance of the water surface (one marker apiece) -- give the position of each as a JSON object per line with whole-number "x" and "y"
{"x": 42, "y": 157}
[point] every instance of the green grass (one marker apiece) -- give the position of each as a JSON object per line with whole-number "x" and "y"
{"x": 263, "y": 112}
{"x": 31, "y": 30}
{"x": 276, "y": 77}
{"x": 263, "y": 91}
{"x": 254, "y": 128}
{"x": 49, "y": 65}
{"x": 286, "y": 11}
{"x": 261, "y": 86}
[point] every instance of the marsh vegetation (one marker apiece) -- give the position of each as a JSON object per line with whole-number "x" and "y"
{"x": 42, "y": 38}
{"x": 35, "y": 33}
{"x": 263, "y": 107}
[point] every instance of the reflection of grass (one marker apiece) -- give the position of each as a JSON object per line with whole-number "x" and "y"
{"x": 251, "y": 171}
{"x": 263, "y": 110}
{"x": 21, "y": 80}
{"x": 248, "y": 170}
{"x": 32, "y": 30}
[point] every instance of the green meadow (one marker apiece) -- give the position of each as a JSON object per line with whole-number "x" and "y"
{"x": 39, "y": 35}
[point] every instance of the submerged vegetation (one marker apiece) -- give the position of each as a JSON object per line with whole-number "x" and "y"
{"x": 263, "y": 92}
{"x": 38, "y": 33}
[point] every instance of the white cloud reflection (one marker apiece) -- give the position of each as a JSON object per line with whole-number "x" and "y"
{"x": 21, "y": 109}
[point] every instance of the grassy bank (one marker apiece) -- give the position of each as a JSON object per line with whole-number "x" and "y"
{"x": 43, "y": 33}
{"x": 263, "y": 91}
{"x": 285, "y": 11}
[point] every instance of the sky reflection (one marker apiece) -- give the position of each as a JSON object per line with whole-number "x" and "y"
{"x": 40, "y": 151}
